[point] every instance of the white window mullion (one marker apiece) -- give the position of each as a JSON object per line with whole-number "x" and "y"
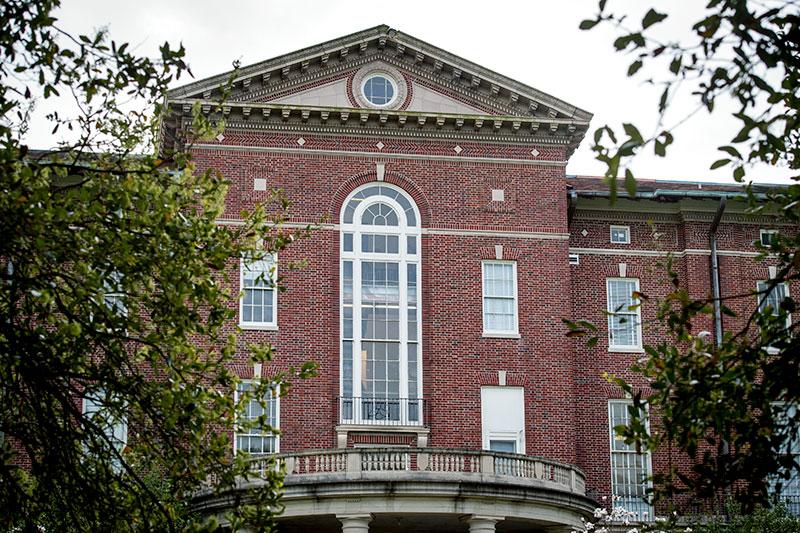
{"x": 403, "y": 312}
{"x": 357, "y": 366}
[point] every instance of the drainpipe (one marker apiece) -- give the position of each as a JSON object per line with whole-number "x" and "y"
{"x": 712, "y": 236}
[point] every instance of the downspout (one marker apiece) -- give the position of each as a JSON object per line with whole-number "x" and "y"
{"x": 712, "y": 236}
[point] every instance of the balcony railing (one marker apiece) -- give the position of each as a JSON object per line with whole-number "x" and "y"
{"x": 382, "y": 411}
{"x": 439, "y": 463}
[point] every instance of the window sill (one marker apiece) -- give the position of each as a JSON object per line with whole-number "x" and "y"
{"x": 626, "y": 349}
{"x": 499, "y": 335}
{"x": 259, "y": 327}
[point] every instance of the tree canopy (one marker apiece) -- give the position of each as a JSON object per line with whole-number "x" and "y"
{"x": 733, "y": 404}
{"x": 116, "y": 393}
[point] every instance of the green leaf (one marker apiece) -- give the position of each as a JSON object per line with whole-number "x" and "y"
{"x": 634, "y": 67}
{"x": 719, "y": 163}
{"x": 675, "y": 64}
{"x": 633, "y": 133}
{"x": 730, "y": 150}
{"x": 588, "y": 24}
{"x": 630, "y": 183}
{"x": 652, "y": 17}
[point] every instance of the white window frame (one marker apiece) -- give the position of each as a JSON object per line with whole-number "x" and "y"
{"x": 410, "y": 405}
{"x": 510, "y": 434}
{"x": 626, "y": 229}
{"x": 276, "y": 397}
{"x": 637, "y": 313}
{"x": 790, "y": 491}
{"x": 114, "y": 297}
{"x": 763, "y": 232}
{"x": 644, "y": 513}
{"x": 273, "y": 291}
{"x": 763, "y": 297}
{"x": 115, "y": 429}
{"x": 392, "y": 82}
{"x": 514, "y": 331}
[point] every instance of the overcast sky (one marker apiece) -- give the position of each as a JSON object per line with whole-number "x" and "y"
{"x": 536, "y": 42}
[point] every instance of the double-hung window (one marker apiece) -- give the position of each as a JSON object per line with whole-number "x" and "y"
{"x": 787, "y": 490}
{"x": 256, "y": 421}
{"x": 630, "y": 470}
{"x": 258, "y": 305}
{"x": 624, "y": 314}
{"x": 114, "y": 297}
{"x": 114, "y": 428}
{"x": 770, "y": 296}
{"x": 500, "y": 298}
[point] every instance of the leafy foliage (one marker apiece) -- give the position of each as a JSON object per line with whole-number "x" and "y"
{"x": 731, "y": 404}
{"x": 114, "y": 287}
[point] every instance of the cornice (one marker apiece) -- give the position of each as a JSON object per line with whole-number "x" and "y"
{"x": 382, "y": 122}
{"x": 678, "y": 217}
{"x": 377, "y": 155}
{"x": 611, "y": 216}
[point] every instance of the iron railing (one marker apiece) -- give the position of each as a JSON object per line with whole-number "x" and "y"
{"x": 382, "y": 411}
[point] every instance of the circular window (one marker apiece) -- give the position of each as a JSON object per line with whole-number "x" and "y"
{"x": 379, "y": 90}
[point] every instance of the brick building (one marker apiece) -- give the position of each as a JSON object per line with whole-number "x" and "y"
{"x": 451, "y": 246}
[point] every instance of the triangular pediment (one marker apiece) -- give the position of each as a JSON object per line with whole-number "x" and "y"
{"x": 333, "y": 85}
{"x": 447, "y": 83}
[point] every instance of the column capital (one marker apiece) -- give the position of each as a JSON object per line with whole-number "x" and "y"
{"x": 482, "y": 523}
{"x": 355, "y": 523}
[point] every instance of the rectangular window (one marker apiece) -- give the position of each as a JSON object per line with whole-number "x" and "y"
{"x": 771, "y": 296}
{"x": 115, "y": 428}
{"x": 503, "y": 419}
{"x": 630, "y": 470}
{"x": 500, "y": 297}
{"x": 624, "y": 322}
{"x": 114, "y": 297}
{"x": 767, "y": 237}
{"x": 255, "y": 421}
{"x": 621, "y": 234}
{"x": 258, "y": 306}
{"x": 787, "y": 490}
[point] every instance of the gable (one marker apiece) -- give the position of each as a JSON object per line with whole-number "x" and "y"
{"x": 457, "y": 79}
{"x": 381, "y": 78}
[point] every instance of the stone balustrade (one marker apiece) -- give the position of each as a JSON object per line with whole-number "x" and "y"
{"x": 457, "y": 465}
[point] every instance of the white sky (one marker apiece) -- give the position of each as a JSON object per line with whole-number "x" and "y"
{"x": 536, "y": 42}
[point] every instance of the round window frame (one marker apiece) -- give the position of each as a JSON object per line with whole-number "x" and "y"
{"x": 398, "y": 81}
{"x": 377, "y": 74}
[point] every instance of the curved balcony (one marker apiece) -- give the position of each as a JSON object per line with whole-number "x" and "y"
{"x": 397, "y": 490}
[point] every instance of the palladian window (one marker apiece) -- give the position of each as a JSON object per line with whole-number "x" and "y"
{"x": 380, "y": 309}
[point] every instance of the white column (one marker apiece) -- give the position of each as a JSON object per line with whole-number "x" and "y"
{"x": 482, "y": 524}
{"x": 355, "y": 523}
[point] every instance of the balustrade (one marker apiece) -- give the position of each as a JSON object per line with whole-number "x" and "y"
{"x": 442, "y": 462}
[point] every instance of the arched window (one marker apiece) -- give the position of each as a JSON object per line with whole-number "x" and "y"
{"x": 381, "y": 362}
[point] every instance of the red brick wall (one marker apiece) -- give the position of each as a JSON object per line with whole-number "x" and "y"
{"x": 457, "y": 360}
{"x": 739, "y": 273}
{"x": 565, "y": 396}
